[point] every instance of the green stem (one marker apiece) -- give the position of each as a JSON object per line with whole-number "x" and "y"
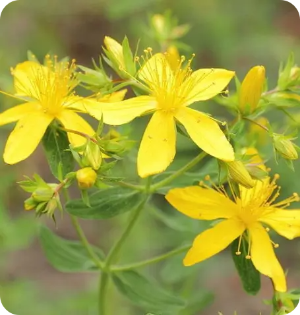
{"x": 116, "y": 249}
{"x": 256, "y": 123}
{"x": 151, "y": 260}
{"x": 104, "y": 278}
{"x": 82, "y": 236}
{"x": 86, "y": 243}
{"x": 132, "y": 186}
{"x": 118, "y": 245}
{"x": 185, "y": 168}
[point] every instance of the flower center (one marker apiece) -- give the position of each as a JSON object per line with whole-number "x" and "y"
{"x": 169, "y": 84}
{"x": 53, "y": 83}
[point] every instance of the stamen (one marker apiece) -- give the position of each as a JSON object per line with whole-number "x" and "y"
{"x": 249, "y": 248}
{"x": 238, "y": 252}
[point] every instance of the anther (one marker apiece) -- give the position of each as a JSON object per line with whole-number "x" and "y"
{"x": 207, "y": 177}
{"x": 238, "y": 253}
{"x": 248, "y": 257}
{"x": 267, "y": 229}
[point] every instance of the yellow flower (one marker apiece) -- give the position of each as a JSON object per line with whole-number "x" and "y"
{"x": 48, "y": 93}
{"x": 251, "y": 89}
{"x": 171, "y": 92}
{"x": 249, "y": 215}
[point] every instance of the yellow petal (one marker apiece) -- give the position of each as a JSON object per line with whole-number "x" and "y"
{"x": 206, "y": 133}
{"x": 204, "y": 84}
{"x": 201, "y": 203}
{"x": 26, "y": 136}
{"x": 123, "y": 112}
{"x": 263, "y": 257}
{"x": 158, "y": 146}
{"x": 26, "y": 75}
{"x": 173, "y": 57}
{"x": 213, "y": 240}
{"x": 73, "y": 121}
{"x": 114, "y": 97}
{"x": 157, "y": 73}
{"x": 17, "y": 112}
{"x": 284, "y": 222}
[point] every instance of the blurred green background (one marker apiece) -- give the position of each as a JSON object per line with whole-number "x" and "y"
{"x": 224, "y": 34}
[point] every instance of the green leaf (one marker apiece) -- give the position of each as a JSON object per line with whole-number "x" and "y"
{"x": 147, "y": 295}
{"x": 128, "y": 57}
{"x": 65, "y": 255}
{"x": 249, "y": 275}
{"x": 106, "y": 203}
{"x": 59, "y": 157}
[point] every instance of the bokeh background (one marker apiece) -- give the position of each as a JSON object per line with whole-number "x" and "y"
{"x": 230, "y": 34}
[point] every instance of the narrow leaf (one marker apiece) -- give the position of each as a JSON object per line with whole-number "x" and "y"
{"x": 56, "y": 147}
{"x": 249, "y": 275}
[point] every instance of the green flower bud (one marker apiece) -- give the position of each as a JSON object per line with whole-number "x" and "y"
{"x": 30, "y": 204}
{"x": 92, "y": 156}
{"x": 42, "y": 194}
{"x": 285, "y": 147}
{"x": 86, "y": 177}
{"x": 115, "y": 51}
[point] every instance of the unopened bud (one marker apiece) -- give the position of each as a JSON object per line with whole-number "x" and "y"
{"x": 285, "y": 147}
{"x": 86, "y": 177}
{"x": 238, "y": 173}
{"x": 115, "y": 49}
{"x": 42, "y": 194}
{"x": 30, "y": 204}
{"x": 158, "y": 22}
{"x": 92, "y": 156}
{"x": 251, "y": 89}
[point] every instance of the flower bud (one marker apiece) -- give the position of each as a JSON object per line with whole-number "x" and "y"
{"x": 42, "y": 194}
{"x": 285, "y": 147}
{"x": 30, "y": 204}
{"x": 251, "y": 89}
{"x": 158, "y": 22}
{"x": 92, "y": 155}
{"x": 116, "y": 50}
{"x": 238, "y": 173}
{"x": 86, "y": 177}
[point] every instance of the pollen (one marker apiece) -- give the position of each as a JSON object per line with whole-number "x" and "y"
{"x": 52, "y": 83}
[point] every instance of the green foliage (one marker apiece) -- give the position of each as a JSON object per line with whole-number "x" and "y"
{"x": 146, "y": 294}
{"x": 59, "y": 157}
{"x": 105, "y": 204}
{"x": 65, "y": 255}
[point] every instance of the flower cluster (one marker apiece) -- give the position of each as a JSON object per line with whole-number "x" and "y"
{"x": 162, "y": 85}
